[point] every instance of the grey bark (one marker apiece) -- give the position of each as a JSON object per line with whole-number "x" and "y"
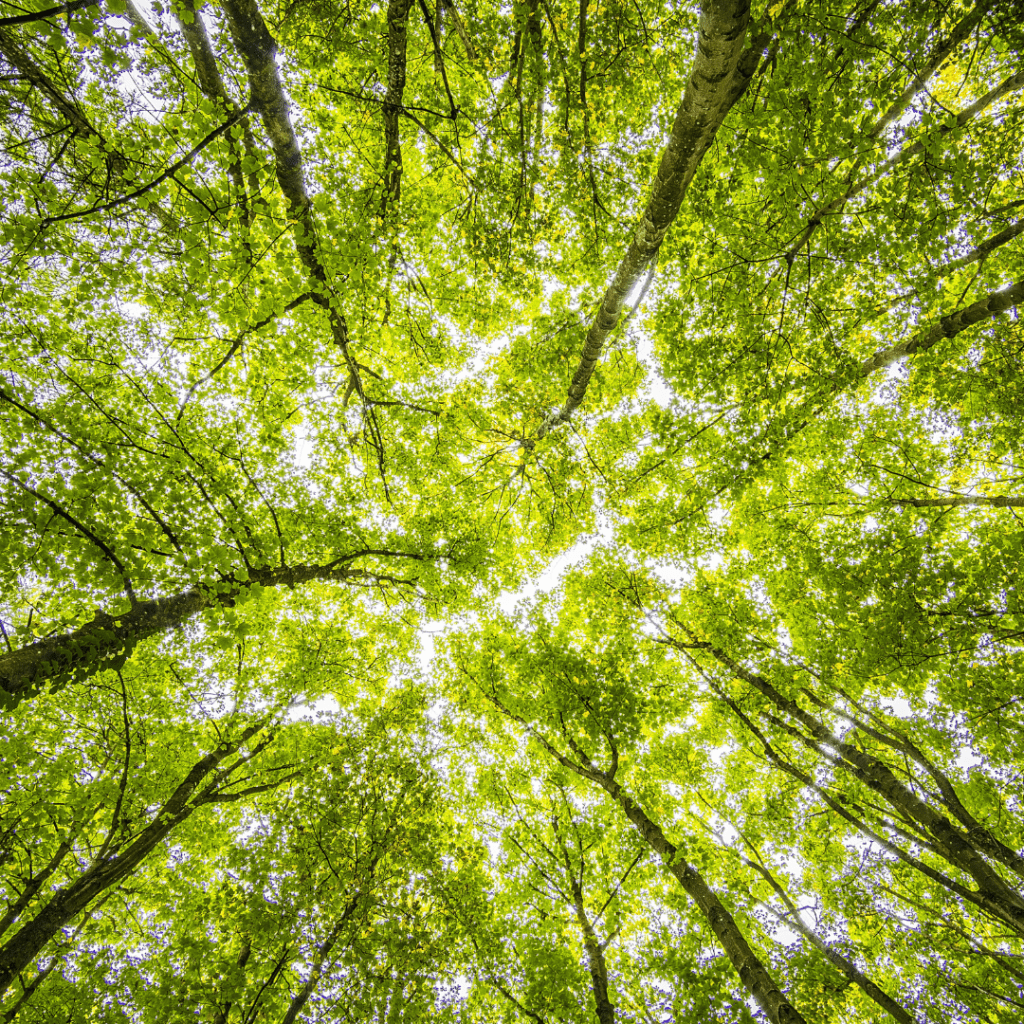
{"x": 938, "y": 56}
{"x": 259, "y": 49}
{"x": 721, "y": 72}
{"x": 25, "y": 64}
{"x": 323, "y": 951}
{"x": 212, "y": 85}
{"x": 398, "y": 24}
{"x": 983, "y": 249}
{"x": 960, "y": 500}
{"x": 754, "y": 975}
{"x": 982, "y": 838}
{"x": 594, "y": 948}
{"x": 979, "y": 899}
{"x": 243, "y": 958}
{"x": 949, "y": 326}
{"x": 467, "y": 43}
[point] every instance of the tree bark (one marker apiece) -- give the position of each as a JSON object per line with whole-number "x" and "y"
{"x": 948, "y": 327}
{"x": 259, "y": 50}
{"x": 960, "y": 500}
{"x": 322, "y": 952}
{"x": 720, "y": 75}
{"x": 69, "y": 901}
{"x": 23, "y": 62}
{"x": 752, "y": 972}
{"x": 50, "y": 12}
{"x": 398, "y": 23}
{"x": 938, "y": 56}
{"x": 595, "y": 950}
{"x": 979, "y": 899}
{"x": 108, "y": 639}
{"x": 849, "y": 969}
{"x": 212, "y": 84}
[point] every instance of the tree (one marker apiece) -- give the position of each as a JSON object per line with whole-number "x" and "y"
{"x": 328, "y": 328}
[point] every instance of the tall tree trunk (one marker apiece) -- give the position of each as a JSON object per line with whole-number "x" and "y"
{"x": 398, "y": 23}
{"x": 720, "y": 74}
{"x": 753, "y": 973}
{"x": 68, "y": 902}
{"x": 755, "y": 977}
{"x": 108, "y": 639}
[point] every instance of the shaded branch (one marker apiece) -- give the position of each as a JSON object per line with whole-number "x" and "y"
{"x": 158, "y": 180}
{"x": 50, "y": 12}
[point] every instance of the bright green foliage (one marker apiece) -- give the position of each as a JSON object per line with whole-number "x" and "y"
{"x": 346, "y": 678}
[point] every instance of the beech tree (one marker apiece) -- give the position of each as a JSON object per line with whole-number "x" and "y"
{"x": 511, "y": 511}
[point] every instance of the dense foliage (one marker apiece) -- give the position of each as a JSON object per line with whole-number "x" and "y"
{"x": 511, "y": 512}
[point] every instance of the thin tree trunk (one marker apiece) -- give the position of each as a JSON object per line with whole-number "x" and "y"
{"x": 951, "y": 843}
{"x": 960, "y": 500}
{"x": 849, "y": 969}
{"x": 979, "y": 899}
{"x": 753, "y": 974}
{"x": 835, "y": 206}
{"x": 949, "y": 326}
{"x": 69, "y": 901}
{"x": 69, "y": 108}
{"x": 259, "y": 50}
{"x": 594, "y": 948}
{"x": 398, "y": 23}
{"x": 212, "y": 84}
{"x": 243, "y": 959}
{"x": 322, "y": 952}
{"x": 982, "y": 838}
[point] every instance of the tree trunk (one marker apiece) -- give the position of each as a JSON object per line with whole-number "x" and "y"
{"x": 753, "y": 974}
{"x": 398, "y": 20}
{"x": 719, "y": 77}
{"x": 68, "y": 902}
{"x": 108, "y": 639}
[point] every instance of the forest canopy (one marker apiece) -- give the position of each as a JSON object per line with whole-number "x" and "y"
{"x": 511, "y": 512}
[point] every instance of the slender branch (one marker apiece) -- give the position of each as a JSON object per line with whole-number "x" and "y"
{"x": 1008, "y": 85}
{"x": 752, "y": 972}
{"x": 80, "y": 527}
{"x": 50, "y": 12}
{"x": 158, "y": 180}
{"x": 939, "y": 54}
{"x": 976, "y": 500}
{"x": 949, "y": 326}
